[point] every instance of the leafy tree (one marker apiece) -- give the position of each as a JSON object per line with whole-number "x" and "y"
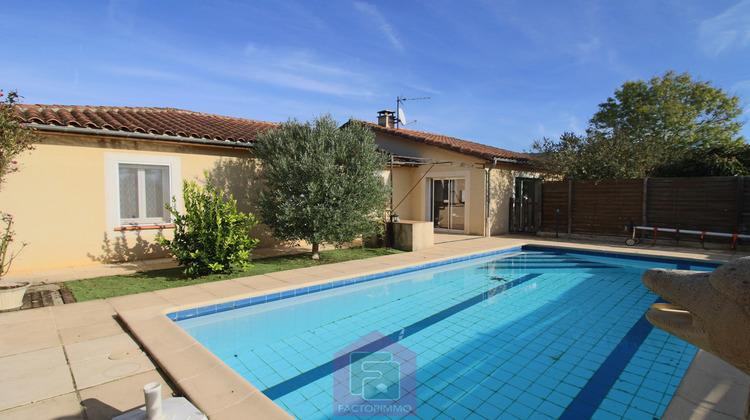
{"x": 646, "y": 125}
{"x": 212, "y": 236}
{"x": 674, "y": 111}
{"x": 15, "y": 137}
{"x": 321, "y": 183}
{"x": 595, "y": 156}
{"x": 721, "y": 160}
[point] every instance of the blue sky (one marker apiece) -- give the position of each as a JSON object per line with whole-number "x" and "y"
{"x": 502, "y": 73}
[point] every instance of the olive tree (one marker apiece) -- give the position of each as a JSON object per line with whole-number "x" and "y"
{"x": 321, "y": 183}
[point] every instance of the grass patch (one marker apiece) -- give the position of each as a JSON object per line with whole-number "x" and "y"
{"x": 112, "y": 286}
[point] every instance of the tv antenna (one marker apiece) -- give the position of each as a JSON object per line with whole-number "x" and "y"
{"x": 400, "y": 117}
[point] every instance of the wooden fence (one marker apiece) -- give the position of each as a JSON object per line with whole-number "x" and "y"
{"x": 715, "y": 204}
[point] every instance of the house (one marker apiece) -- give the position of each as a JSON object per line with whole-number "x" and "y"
{"x": 459, "y": 185}
{"x": 95, "y": 188}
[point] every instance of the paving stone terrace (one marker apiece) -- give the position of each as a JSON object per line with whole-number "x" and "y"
{"x": 78, "y": 361}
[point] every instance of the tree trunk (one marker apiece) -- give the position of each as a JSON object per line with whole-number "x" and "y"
{"x": 315, "y": 251}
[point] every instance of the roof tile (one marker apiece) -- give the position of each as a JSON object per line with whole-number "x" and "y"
{"x": 466, "y": 147}
{"x": 162, "y": 121}
{"x": 183, "y": 123}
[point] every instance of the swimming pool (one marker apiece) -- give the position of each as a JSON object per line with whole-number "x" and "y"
{"x": 540, "y": 333}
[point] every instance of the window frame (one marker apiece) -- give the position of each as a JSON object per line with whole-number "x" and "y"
{"x": 142, "y": 218}
{"x": 173, "y": 169}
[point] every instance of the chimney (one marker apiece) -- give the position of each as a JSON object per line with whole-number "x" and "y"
{"x": 385, "y": 118}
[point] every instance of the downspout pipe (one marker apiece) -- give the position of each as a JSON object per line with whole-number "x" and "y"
{"x": 139, "y": 136}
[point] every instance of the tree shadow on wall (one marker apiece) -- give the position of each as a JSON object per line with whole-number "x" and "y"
{"x": 239, "y": 177}
{"x": 502, "y": 196}
{"x": 124, "y": 249}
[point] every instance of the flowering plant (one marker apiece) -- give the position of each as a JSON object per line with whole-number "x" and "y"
{"x": 15, "y": 137}
{"x": 6, "y": 237}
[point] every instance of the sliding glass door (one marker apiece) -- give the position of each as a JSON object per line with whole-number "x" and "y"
{"x": 449, "y": 204}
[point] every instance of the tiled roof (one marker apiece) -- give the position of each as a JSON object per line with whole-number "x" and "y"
{"x": 158, "y": 121}
{"x": 451, "y": 143}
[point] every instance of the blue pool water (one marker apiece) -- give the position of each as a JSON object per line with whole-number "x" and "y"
{"x": 533, "y": 333}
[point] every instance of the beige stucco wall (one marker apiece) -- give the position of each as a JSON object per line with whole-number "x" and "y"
{"x": 62, "y": 205}
{"x": 417, "y": 180}
{"x": 502, "y": 186}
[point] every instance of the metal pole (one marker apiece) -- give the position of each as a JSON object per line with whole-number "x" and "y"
{"x": 487, "y": 228}
{"x": 398, "y": 108}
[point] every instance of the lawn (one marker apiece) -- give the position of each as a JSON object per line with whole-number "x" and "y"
{"x": 111, "y": 286}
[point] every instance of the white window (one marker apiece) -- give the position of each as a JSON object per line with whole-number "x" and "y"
{"x": 144, "y": 192}
{"x": 137, "y": 187}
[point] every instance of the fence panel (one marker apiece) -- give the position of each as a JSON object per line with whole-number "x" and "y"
{"x": 554, "y": 196}
{"x": 607, "y": 207}
{"x": 716, "y": 204}
{"x": 705, "y": 204}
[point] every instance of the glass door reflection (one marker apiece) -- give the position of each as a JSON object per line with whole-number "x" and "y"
{"x": 449, "y": 204}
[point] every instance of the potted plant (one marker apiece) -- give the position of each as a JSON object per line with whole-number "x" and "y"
{"x": 11, "y": 292}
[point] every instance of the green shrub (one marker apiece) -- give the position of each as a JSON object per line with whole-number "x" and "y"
{"x": 212, "y": 236}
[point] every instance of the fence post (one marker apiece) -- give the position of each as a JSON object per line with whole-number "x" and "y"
{"x": 740, "y": 202}
{"x": 570, "y": 206}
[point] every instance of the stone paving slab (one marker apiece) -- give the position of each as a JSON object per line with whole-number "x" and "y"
{"x": 38, "y": 381}
{"x": 35, "y": 385}
{"x": 708, "y": 391}
{"x": 102, "y": 369}
{"x": 27, "y": 335}
{"x": 33, "y": 361}
{"x": 114, "y": 347}
{"x": 62, "y": 407}
{"x": 114, "y": 398}
{"x": 97, "y": 328}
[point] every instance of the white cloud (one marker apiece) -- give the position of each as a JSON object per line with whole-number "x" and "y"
{"x": 146, "y": 73}
{"x": 121, "y": 16}
{"x": 300, "y": 69}
{"x": 730, "y": 29}
{"x": 251, "y": 65}
{"x": 590, "y": 48}
{"x": 378, "y": 19}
